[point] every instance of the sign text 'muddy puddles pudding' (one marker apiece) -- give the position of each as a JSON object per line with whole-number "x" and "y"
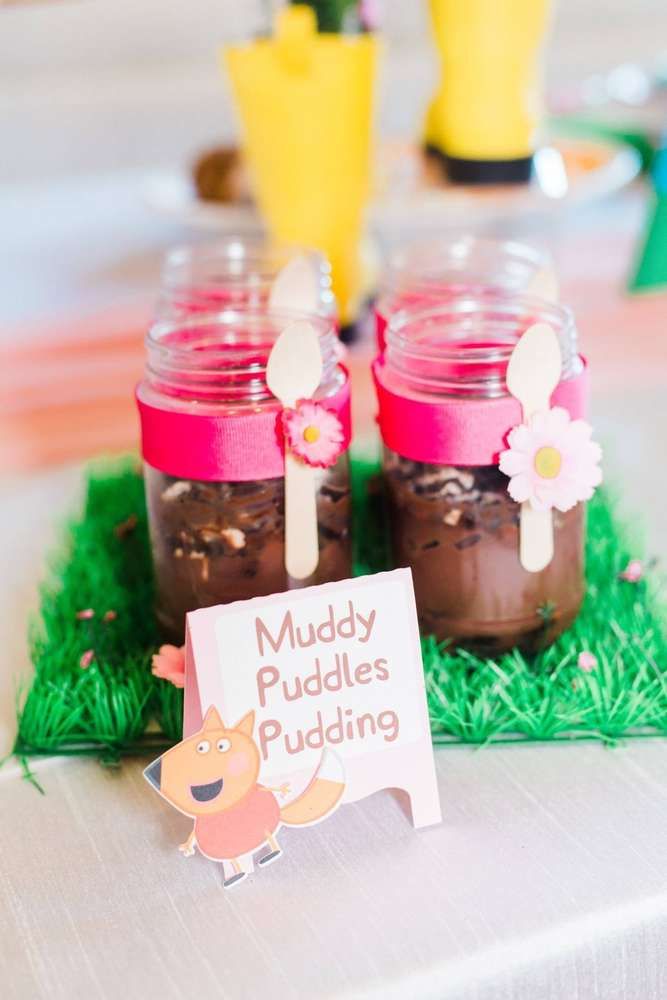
{"x": 338, "y": 670}
{"x": 330, "y": 668}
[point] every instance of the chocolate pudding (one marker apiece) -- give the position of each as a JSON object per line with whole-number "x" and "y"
{"x": 216, "y": 542}
{"x": 458, "y": 531}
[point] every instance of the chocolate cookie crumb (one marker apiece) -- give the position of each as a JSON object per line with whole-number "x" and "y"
{"x": 234, "y": 537}
{"x": 126, "y": 527}
{"x": 176, "y": 490}
{"x": 465, "y": 543}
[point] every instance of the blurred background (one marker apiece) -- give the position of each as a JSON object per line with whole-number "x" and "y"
{"x": 105, "y": 108}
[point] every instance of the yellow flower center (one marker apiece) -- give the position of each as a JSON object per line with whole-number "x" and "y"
{"x": 548, "y": 461}
{"x": 311, "y": 434}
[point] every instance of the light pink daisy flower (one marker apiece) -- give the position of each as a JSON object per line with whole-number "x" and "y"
{"x": 169, "y": 665}
{"x": 587, "y": 661}
{"x": 633, "y": 572}
{"x": 551, "y": 461}
{"x": 86, "y": 659}
{"x": 313, "y": 433}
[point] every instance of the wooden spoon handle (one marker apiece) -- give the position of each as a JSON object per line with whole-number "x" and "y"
{"x": 301, "y": 547}
{"x": 536, "y": 538}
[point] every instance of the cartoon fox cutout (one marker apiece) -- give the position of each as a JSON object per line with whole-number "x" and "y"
{"x": 212, "y": 777}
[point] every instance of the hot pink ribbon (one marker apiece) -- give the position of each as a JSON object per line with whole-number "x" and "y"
{"x": 459, "y": 431}
{"x": 223, "y": 448}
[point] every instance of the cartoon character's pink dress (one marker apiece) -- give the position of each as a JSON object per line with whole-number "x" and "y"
{"x": 240, "y": 829}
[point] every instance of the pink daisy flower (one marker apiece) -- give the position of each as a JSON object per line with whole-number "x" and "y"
{"x": 85, "y": 615}
{"x": 551, "y": 461}
{"x": 169, "y": 665}
{"x": 86, "y": 659}
{"x": 313, "y": 433}
{"x": 587, "y": 661}
{"x": 633, "y": 572}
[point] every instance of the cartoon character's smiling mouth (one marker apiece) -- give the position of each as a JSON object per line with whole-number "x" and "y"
{"x": 204, "y": 793}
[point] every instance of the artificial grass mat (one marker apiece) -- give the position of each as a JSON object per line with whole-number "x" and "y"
{"x": 115, "y": 706}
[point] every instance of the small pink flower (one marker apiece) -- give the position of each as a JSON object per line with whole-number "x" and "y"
{"x": 169, "y": 665}
{"x": 86, "y": 614}
{"x": 551, "y": 461}
{"x": 313, "y": 433}
{"x": 86, "y": 659}
{"x": 633, "y": 572}
{"x": 110, "y": 616}
{"x": 587, "y": 661}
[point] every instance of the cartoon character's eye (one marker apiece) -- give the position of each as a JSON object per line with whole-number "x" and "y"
{"x": 223, "y": 745}
{"x": 203, "y": 746}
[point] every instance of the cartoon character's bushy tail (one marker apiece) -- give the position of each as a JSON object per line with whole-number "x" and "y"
{"x": 320, "y": 797}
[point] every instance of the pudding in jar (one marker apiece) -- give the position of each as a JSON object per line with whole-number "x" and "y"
{"x": 214, "y": 463}
{"x": 445, "y": 413}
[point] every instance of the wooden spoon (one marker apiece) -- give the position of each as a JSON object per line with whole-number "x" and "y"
{"x": 295, "y": 288}
{"x": 533, "y": 373}
{"x": 293, "y": 372}
{"x": 544, "y": 285}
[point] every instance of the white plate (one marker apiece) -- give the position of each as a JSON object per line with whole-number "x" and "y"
{"x": 569, "y": 172}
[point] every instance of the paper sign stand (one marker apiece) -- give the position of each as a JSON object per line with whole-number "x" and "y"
{"x": 382, "y": 718}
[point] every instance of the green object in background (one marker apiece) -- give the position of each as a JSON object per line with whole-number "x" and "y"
{"x": 587, "y": 128}
{"x": 331, "y": 14}
{"x": 114, "y": 706}
{"x": 651, "y": 270}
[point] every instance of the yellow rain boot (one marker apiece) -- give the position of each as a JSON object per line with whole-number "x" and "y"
{"x": 305, "y": 102}
{"x": 484, "y": 116}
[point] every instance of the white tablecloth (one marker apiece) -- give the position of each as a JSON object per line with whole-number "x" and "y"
{"x": 546, "y": 880}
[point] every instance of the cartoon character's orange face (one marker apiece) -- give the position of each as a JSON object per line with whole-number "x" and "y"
{"x": 211, "y": 770}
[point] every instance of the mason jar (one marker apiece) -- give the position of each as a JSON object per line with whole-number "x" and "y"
{"x": 444, "y": 415}
{"x": 214, "y": 463}
{"x": 235, "y": 272}
{"x": 428, "y": 273}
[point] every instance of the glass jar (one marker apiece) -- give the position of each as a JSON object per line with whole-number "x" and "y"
{"x": 432, "y": 272}
{"x": 453, "y": 521}
{"x": 233, "y": 272}
{"x": 213, "y": 463}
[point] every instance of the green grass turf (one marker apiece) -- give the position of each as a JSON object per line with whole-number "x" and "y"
{"x": 115, "y": 706}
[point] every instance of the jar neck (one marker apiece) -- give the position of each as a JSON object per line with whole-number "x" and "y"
{"x": 462, "y": 348}
{"x": 233, "y": 273}
{"x": 464, "y": 261}
{"x": 221, "y": 358}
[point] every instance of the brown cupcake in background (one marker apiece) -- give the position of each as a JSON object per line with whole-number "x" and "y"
{"x": 219, "y": 175}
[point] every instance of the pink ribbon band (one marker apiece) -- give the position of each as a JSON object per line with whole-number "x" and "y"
{"x": 459, "y": 431}
{"x": 224, "y": 447}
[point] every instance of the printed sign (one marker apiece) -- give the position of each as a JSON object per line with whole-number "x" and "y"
{"x": 314, "y": 697}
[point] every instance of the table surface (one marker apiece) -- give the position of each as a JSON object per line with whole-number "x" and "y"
{"x": 547, "y": 879}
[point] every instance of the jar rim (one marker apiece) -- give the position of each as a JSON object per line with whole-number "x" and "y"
{"x": 235, "y": 250}
{"x": 463, "y": 347}
{"x": 221, "y": 357}
{"x": 428, "y": 263}
{"x": 234, "y": 271}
